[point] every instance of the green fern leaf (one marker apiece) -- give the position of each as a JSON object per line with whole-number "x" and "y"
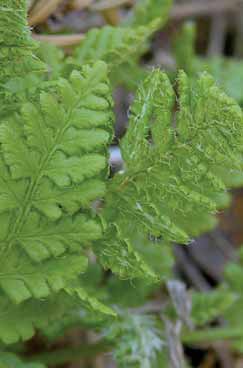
{"x": 168, "y": 187}
{"x": 53, "y": 57}
{"x": 48, "y": 174}
{"x": 121, "y": 47}
{"x": 208, "y": 306}
{"x": 147, "y": 10}
{"x": 16, "y": 44}
{"x": 184, "y": 48}
{"x": 226, "y": 302}
{"x": 114, "y": 45}
{"x": 226, "y": 71}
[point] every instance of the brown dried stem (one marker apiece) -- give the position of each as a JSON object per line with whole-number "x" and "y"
{"x": 60, "y": 40}
{"x": 42, "y": 10}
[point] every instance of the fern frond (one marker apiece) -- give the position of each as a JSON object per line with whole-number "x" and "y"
{"x": 233, "y": 281}
{"x": 114, "y": 45}
{"x": 227, "y": 73}
{"x": 208, "y": 306}
{"x": 20, "y": 322}
{"x": 16, "y": 44}
{"x": 147, "y": 10}
{"x": 226, "y": 302}
{"x": 121, "y": 47}
{"x": 53, "y": 57}
{"x": 53, "y": 163}
{"x": 169, "y": 184}
{"x": 129, "y": 75}
{"x": 233, "y": 272}
{"x": 184, "y": 48}
{"x": 9, "y": 360}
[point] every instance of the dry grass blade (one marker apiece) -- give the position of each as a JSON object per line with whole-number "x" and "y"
{"x": 209, "y": 361}
{"x": 109, "y": 4}
{"x": 31, "y": 3}
{"x": 42, "y": 10}
{"x": 81, "y": 4}
{"x": 193, "y": 9}
{"x": 60, "y": 40}
{"x": 111, "y": 16}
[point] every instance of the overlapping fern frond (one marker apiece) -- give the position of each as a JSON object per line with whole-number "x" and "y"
{"x": 227, "y": 73}
{"x": 208, "y": 306}
{"x": 147, "y": 10}
{"x": 122, "y": 46}
{"x": 170, "y": 187}
{"x": 118, "y": 46}
{"x": 221, "y": 304}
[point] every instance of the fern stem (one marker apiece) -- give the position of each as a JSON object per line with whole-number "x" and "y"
{"x": 212, "y": 334}
{"x": 64, "y": 356}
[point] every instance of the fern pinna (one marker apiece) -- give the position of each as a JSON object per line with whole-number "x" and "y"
{"x": 57, "y": 204}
